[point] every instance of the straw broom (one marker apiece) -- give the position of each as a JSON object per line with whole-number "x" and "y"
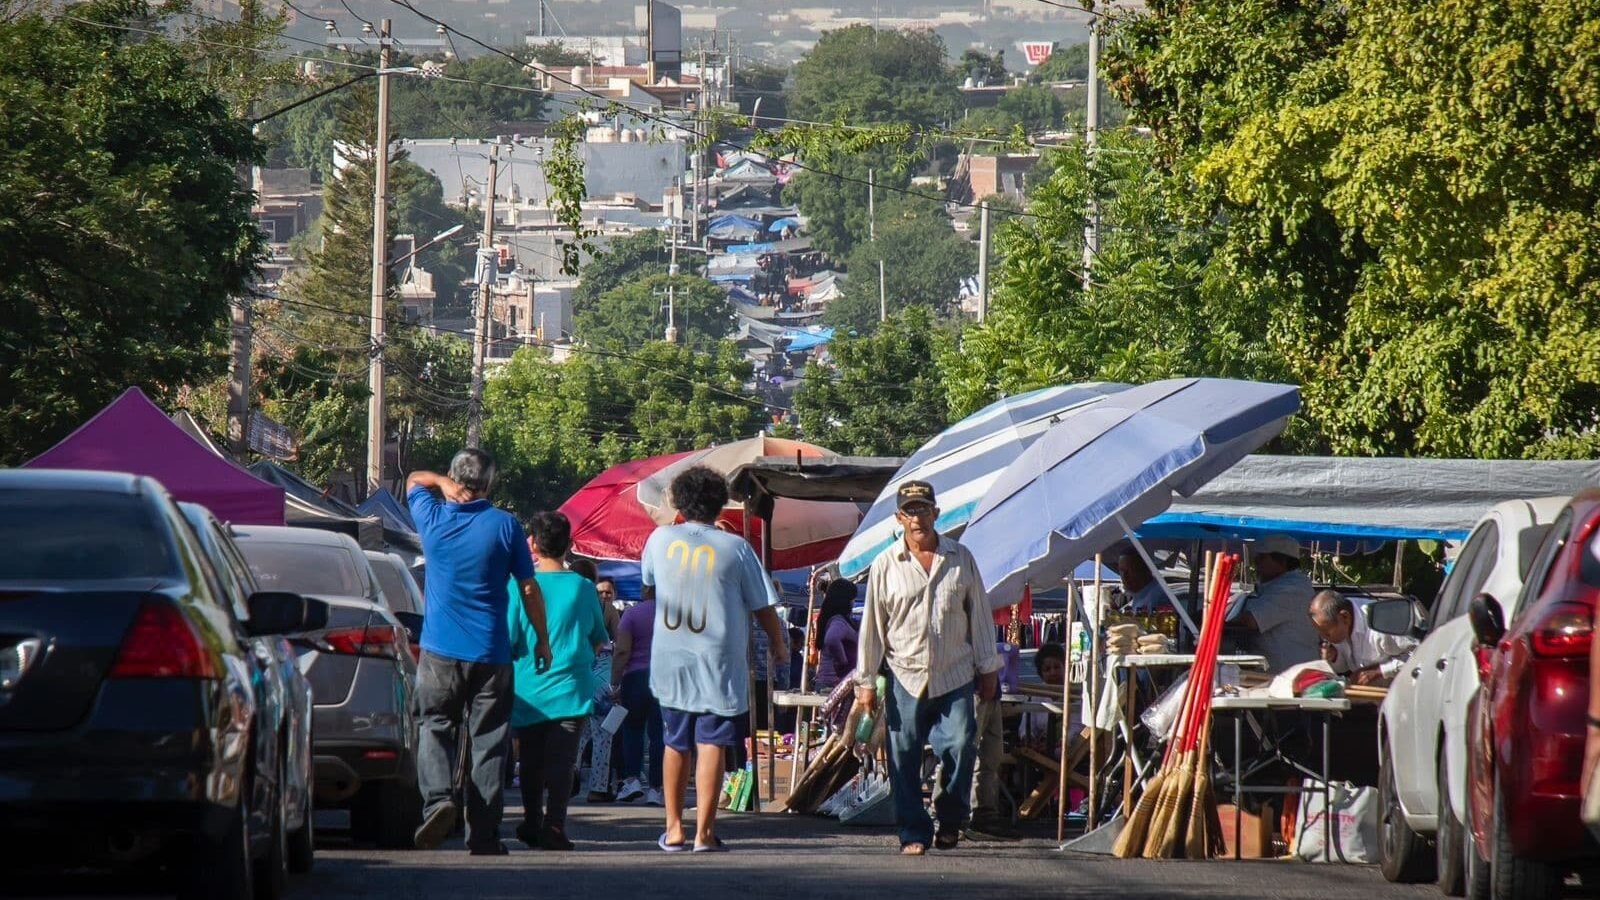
{"x": 1197, "y": 841}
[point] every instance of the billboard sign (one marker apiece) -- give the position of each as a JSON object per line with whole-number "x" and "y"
{"x": 1036, "y": 52}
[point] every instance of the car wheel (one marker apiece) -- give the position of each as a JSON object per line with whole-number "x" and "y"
{"x": 1510, "y": 876}
{"x": 1403, "y": 855}
{"x": 272, "y": 870}
{"x": 1451, "y": 863}
{"x": 396, "y": 807}
{"x": 303, "y": 841}
{"x": 220, "y": 864}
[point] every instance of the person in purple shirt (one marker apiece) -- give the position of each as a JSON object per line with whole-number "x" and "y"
{"x": 630, "y": 676}
{"x": 836, "y": 657}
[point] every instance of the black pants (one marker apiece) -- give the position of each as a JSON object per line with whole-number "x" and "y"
{"x": 549, "y": 757}
{"x": 450, "y": 694}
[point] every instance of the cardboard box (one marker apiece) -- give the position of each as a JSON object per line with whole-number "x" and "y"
{"x": 1255, "y": 831}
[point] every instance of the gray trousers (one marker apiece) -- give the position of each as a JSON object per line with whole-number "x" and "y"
{"x": 450, "y": 692}
{"x": 991, "y": 749}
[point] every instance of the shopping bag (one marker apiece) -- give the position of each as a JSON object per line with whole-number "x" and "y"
{"x": 1590, "y": 810}
{"x": 1354, "y": 811}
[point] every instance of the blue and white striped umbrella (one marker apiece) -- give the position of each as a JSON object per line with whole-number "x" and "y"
{"x": 1089, "y": 480}
{"x": 964, "y": 459}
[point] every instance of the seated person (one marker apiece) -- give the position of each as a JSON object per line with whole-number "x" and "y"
{"x": 1140, "y": 589}
{"x": 1272, "y": 621}
{"x": 1051, "y": 663}
{"x": 1351, "y": 646}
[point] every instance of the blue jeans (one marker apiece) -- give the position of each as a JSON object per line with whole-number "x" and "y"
{"x": 643, "y": 723}
{"x": 947, "y": 722}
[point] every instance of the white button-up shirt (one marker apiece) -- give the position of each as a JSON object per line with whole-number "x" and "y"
{"x": 1366, "y": 647}
{"x": 935, "y": 627}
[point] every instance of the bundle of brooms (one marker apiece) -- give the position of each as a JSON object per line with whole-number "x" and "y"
{"x": 1177, "y": 815}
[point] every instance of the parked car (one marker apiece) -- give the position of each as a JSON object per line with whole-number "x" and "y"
{"x": 362, "y": 674}
{"x": 132, "y": 730}
{"x": 400, "y": 591}
{"x": 1422, "y": 733}
{"x": 281, "y": 690}
{"x": 1530, "y": 718}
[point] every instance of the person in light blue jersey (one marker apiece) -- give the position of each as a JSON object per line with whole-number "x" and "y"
{"x": 706, "y": 583}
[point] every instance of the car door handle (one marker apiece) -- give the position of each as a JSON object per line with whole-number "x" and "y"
{"x": 1440, "y": 665}
{"x": 1416, "y": 672}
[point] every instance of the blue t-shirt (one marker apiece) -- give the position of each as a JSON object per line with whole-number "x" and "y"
{"x": 471, "y": 549}
{"x": 707, "y": 583}
{"x": 572, "y": 614}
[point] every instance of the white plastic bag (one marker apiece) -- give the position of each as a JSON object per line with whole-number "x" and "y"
{"x": 1355, "y": 823}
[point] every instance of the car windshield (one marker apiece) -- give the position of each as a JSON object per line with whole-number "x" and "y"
{"x": 302, "y": 568}
{"x": 393, "y": 585}
{"x": 81, "y": 536}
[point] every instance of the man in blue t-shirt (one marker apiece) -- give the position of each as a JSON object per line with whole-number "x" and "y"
{"x": 707, "y": 583}
{"x": 472, "y": 549}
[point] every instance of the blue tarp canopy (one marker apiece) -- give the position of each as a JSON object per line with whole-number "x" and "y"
{"x": 785, "y": 222}
{"x": 731, "y": 277}
{"x": 1371, "y": 500}
{"x": 752, "y": 248}
{"x": 740, "y": 295}
{"x": 734, "y": 228}
{"x": 808, "y": 340}
{"x": 391, "y": 512}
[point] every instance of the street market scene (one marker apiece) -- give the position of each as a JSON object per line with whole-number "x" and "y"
{"x": 609, "y": 448}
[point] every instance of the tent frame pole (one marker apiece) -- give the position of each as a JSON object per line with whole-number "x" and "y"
{"x": 1144, "y": 554}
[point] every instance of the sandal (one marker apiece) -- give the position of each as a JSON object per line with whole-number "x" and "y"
{"x": 679, "y": 847}
{"x": 915, "y": 848}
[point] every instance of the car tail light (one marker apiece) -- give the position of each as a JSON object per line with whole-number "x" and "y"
{"x": 1566, "y": 631}
{"x": 1484, "y": 657}
{"x": 163, "y": 644}
{"x": 373, "y": 640}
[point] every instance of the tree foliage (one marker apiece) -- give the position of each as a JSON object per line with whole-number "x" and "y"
{"x": 883, "y": 395}
{"x": 835, "y": 200}
{"x": 555, "y": 425}
{"x": 860, "y": 74}
{"x": 626, "y": 260}
{"x": 636, "y": 313}
{"x": 924, "y": 261}
{"x": 1069, "y": 63}
{"x": 123, "y": 231}
{"x": 1410, "y": 192}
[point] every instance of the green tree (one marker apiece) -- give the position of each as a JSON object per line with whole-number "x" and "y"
{"x": 1036, "y": 108}
{"x": 555, "y": 425}
{"x": 764, "y": 82}
{"x": 123, "y": 231}
{"x": 636, "y": 313}
{"x": 627, "y": 260}
{"x": 859, "y": 74}
{"x": 1069, "y": 63}
{"x": 924, "y": 261}
{"x": 882, "y": 395}
{"x": 981, "y": 67}
{"x": 556, "y": 55}
{"x": 1410, "y": 194}
{"x": 1144, "y": 318}
{"x": 834, "y": 200}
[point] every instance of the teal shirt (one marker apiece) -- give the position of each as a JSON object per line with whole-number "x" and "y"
{"x": 572, "y": 614}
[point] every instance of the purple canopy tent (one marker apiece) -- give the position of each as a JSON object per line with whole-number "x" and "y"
{"x": 134, "y": 435}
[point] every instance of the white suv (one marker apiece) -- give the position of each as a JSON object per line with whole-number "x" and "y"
{"x": 1422, "y": 732}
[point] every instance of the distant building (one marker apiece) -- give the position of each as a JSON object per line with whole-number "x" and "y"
{"x": 525, "y": 312}
{"x": 288, "y": 201}
{"x": 619, "y": 173}
{"x": 977, "y": 176}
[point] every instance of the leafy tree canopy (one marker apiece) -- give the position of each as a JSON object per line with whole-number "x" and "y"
{"x": 555, "y": 425}
{"x": 837, "y": 208}
{"x": 859, "y": 74}
{"x": 636, "y": 313}
{"x": 628, "y": 260}
{"x": 924, "y": 264}
{"x": 883, "y": 395}
{"x": 1069, "y": 63}
{"x": 124, "y": 231}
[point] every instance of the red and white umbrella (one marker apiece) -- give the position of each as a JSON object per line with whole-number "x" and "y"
{"x": 804, "y": 532}
{"x": 608, "y": 521}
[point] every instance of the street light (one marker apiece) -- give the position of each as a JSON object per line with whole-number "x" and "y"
{"x": 444, "y": 235}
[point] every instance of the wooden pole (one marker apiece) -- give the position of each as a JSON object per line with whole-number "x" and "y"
{"x": 1093, "y": 711}
{"x": 1066, "y": 718}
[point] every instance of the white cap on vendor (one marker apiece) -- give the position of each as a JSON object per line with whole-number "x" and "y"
{"x": 1281, "y": 544}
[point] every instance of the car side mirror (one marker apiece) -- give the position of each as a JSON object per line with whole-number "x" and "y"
{"x": 1397, "y": 617}
{"x": 1488, "y": 620}
{"x": 413, "y": 625}
{"x": 280, "y": 612}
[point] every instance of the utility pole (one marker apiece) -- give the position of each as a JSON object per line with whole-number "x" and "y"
{"x": 983, "y": 262}
{"x": 380, "y": 269}
{"x": 650, "y": 41}
{"x": 672, "y": 309}
{"x": 541, "y": 18}
{"x": 872, "y": 205}
{"x": 480, "y": 327}
{"x": 1091, "y": 231}
{"x": 240, "y": 314}
{"x": 883, "y": 296}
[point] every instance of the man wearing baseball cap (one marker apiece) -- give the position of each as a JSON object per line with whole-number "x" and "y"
{"x": 928, "y": 616}
{"x": 1273, "y": 621}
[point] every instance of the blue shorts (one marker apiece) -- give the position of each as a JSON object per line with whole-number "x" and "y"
{"x": 682, "y": 730}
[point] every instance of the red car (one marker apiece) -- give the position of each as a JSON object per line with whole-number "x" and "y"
{"x": 1529, "y": 721}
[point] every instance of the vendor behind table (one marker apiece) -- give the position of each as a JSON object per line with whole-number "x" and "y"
{"x": 1272, "y": 619}
{"x": 1351, "y": 645}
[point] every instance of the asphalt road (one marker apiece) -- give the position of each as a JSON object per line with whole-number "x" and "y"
{"x": 775, "y": 855}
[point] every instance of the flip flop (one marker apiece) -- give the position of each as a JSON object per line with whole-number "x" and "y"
{"x": 679, "y": 847}
{"x": 717, "y": 846}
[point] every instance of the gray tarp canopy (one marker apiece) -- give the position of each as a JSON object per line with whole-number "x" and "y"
{"x": 1317, "y": 498}
{"x": 842, "y": 479}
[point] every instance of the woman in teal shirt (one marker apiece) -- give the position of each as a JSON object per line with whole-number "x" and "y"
{"x": 550, "y": 707}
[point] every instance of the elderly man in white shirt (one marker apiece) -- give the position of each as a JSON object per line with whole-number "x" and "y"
{"x": 927, "y": 614}
{"x": 1351, "y": 646}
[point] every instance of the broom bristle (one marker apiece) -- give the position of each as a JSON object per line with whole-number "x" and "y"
{"x": 1131, "y": 840}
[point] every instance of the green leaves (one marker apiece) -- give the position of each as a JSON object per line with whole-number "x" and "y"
{"x": 634, "y": 314}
